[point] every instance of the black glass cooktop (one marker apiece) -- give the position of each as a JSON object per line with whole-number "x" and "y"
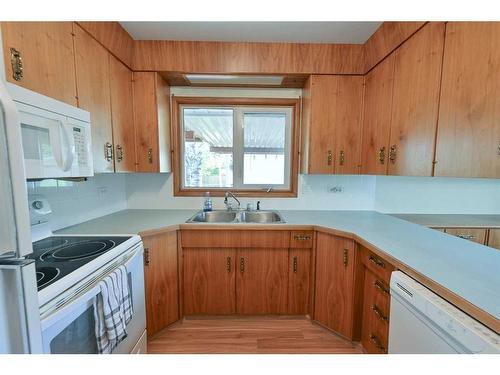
{"x": 57, "y": 256}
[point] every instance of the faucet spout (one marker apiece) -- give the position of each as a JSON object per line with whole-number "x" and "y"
{"x": 226, "y": 200}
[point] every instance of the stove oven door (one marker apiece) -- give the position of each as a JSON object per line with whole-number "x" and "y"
{"x": 71, "y": 329}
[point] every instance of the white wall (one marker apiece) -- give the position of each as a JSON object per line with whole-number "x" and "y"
{"x": 76, "y": 202}
{"x": 395, "y": 194}
{"x": 156, "y": 191}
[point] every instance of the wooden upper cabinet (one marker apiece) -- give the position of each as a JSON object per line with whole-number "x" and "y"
{"x": 209, "y": 281}
{"x": 122, "y": 115}
{"x": 348, "y": 112}
{"x": 332, "y": 124}
{"x": 417, "y": 76}
{"x": 334, "y": 294}
{"x": 262, "y": 281}
{"x": 377, "y": 117}
{"x": 468, "y": 140}
{"x": 152, "y": 122}
{"x": 92, "y": 76}
{"x": 320, "y": 93}
{"x": 161, "y": 281}
{"x": 47, "y": 54}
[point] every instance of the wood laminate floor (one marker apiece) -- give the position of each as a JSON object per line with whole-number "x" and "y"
{"x": 279, "y": 335}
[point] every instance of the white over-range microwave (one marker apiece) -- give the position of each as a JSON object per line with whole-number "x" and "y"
{"x": 56, "y": 136}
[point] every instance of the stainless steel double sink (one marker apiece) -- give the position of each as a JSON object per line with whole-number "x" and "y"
{"x": 226, "y": 216}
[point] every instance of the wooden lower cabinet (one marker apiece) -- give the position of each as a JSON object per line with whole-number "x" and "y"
{"x": 262, "y": 281}
{"x": 334, "y": 294}
{"x": 472, "y": 234}
{"x": 494, "y": 239}
{"x": 161, "y": 280}
{"x": 209, "y": 281}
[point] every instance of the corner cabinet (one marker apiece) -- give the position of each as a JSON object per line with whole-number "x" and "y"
{"x": 332, "y": 107}
{"x": 152, "y": 121}
{"x": 335, "y": 283}
{"x": 44, "y": 51}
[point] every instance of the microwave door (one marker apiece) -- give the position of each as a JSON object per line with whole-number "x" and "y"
{"x": 20, "y": 329}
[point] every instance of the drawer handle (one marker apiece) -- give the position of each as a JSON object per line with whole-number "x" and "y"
{"x": 380, "y": 286}
{"x": 228, "y": 264}
{"x": 302, "y": 237}
{"x": 466, "y": 236}
{"x": 376, "y": 261}
{"x": 295, "y": 264}
{"x": 379, "y": 313}
{"x": 376, "y": 341}
{"x": 242, "y": 265}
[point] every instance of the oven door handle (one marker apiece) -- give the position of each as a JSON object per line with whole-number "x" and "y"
{"x": 65, "y": 307}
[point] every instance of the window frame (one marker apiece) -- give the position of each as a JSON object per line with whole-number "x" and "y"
{"x": 248, "y": 103}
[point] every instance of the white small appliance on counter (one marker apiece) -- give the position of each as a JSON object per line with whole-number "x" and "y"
{"x": 421, "y": 322}
{"x": 56, "y": 136}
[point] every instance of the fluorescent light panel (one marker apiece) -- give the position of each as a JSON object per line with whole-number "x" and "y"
{"x": 211, "y": 79}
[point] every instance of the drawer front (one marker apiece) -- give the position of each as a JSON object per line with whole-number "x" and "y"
{"x": 377, "y": 265}
{"x": 269, "y": 239}
{"x": 471, "y": 234}
{"x": 301, "y": 239}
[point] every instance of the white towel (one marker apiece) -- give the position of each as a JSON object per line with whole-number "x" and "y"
{"x": 112, "y": 310}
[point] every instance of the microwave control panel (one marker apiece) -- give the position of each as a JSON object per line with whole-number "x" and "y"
{"x": 79, "y": 137}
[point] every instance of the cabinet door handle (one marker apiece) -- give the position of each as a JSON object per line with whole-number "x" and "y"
{"x": 242, "y": 265}
{"x": 376, "y": 341}
{"x": 228, "y": 264}
{"x": 108, "y": 151}
{"x": 381, "y": 155}
{"x": 150, "y": 155}
{"x": 466, "y": 236}
{"x": 302, "y": 237}
{"x": 330, "y": 157}
{"x": 393, "y": 154}
{"x": 379, "y": 313}
{"x": 380, "y": 286}
{"x": 119, "y": 153}
{"x": 295, "y": 264}
{"x": 16, "y": 61}
{"x": 146, "y": 257}
{"x": 342, "y": 157}
{"x": 376, "y": 261}
{"x": 345, "y": 258}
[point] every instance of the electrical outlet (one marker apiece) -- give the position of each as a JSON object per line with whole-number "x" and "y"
{"x": 335, "y": 189}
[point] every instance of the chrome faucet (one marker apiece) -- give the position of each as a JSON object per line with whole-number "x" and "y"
{"x": 226, "y": 202}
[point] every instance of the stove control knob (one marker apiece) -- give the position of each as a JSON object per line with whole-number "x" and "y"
{"x": 37, "y": 205}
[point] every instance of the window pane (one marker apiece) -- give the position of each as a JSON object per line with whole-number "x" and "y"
{"x": 208, "y": 147}
{"x": 264, "y": 148}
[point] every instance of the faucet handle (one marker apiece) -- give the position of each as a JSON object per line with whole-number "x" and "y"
{"x": 258, "y": 205}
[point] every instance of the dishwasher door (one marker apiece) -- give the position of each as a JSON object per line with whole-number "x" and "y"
{"x": 421, "y": 322}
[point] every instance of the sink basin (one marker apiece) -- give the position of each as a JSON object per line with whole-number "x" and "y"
{"x": 214, "y": 217}
{"x": 224, "y": 216}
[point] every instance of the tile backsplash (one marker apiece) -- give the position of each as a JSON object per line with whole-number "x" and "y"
{"x": 76, "y": 202}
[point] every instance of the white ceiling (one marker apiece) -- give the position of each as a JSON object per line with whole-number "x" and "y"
{"x": 299, "y": 32}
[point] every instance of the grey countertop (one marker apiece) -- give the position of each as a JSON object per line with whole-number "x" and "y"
{"x": 452, "y": 220}
{"x": 469, "y": 270}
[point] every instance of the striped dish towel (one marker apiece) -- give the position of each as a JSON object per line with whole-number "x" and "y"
{"x": 112, "y": 310}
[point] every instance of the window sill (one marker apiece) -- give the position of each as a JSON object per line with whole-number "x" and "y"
{"x": 239, "y": 193}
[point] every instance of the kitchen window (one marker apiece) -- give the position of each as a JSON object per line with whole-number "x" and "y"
{"x": 243, "y": 145}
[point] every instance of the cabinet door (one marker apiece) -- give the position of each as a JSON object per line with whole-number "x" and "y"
{"x": 299, "y": 283}
{"x": 377, "y": 117}
{"x": 472, "y": 234}
{"x": 468, "y": 137}
{"x": 152, "y": 122}
{"x": 417, "y": 76}
{"x": 262, "y": 281}
{"x": 494, "y": 238}
{"x": 92, "y": 77}
{"x": 161, "y": 281}
{"x": 47, "y": 54}
{"x": 122, "y": 115}
{"x": 319, "y": 116}
{"x": 334, "y": 298}
{"x": 348, "y": 112}
{"x": 209, "y": 281}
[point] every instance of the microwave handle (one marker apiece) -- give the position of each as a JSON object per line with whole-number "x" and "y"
{"x": 68, "y": 146}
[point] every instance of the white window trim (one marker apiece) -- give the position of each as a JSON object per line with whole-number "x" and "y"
{"x": 238, "y": 146}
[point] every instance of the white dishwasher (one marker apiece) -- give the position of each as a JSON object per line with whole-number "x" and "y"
{"x": 421, "y": 322}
